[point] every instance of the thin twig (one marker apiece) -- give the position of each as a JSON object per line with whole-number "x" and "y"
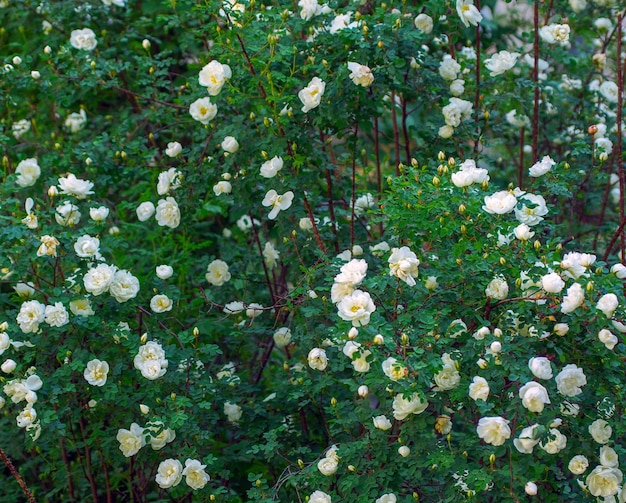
{"x": 17, "y": 476}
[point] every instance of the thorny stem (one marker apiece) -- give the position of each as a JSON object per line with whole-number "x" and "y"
{"x": 396, "y": 136}
{"x": 88, "y": 470}
{"x": 405, "y": 133}
{"x": 536, "y": 82}
{"x": 316, "y": 231}
{"x": 17, "y": 476}
{"x": 520, "y": 168}
{"x": 477, "y": 94}
{"x": 353, "y": 202}
{"x": 619, "y": 146}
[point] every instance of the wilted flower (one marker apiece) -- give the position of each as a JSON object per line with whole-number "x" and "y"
{"x": 361, "y": 75}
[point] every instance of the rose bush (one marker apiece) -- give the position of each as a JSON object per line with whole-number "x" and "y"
{"x": 257, "y": 251}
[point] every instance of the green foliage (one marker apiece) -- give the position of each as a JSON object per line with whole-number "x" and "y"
{"x": 371, "y": 237}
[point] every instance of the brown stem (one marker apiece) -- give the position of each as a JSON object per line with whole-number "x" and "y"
{"x": 316, "y": 232}
{"x": 520, "y": 168}
{"x": 536, "y": 82}
{"x": 619, "y": 146}
{"x": 353, "y": 202}
{"x": 17, "y": 476}
{"x": 477, "y": 78}
{"x": 396, "y": 136}
{"x": 148, "y": 98}
{"x": 88, "y": 471}
{"x": 70, "y": 484}
{"x": 405, "y": 133}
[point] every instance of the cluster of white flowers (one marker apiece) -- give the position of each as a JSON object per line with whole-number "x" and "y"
{"x": 329, "y": 463}
{"x": 150, "y": 360}
{"x": 468, "y": 174}
{"x": 453, "y": 113}
{"x": 24, "y": 390}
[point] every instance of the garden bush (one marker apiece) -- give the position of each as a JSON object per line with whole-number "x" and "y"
{"x": 278, "y": 251}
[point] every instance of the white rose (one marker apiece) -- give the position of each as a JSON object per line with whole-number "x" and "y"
{"x": 84, "y": 39}
{"x": 608, "y": 304}
{"x": 194, "y": 474}
{"x": 448, "y": 377}
{"x": 99, "y": 214}
{"x": 352, "y": 273}
{"x": 282, "y": 337}
{"x": 96, "y": 372}
{"x": 578, "y": 465}
{"x": 67, "y": 214}
{"x": 277, "y": 202}
{"x": 402, "y": 407}
{"x": 500, "y": 203}
{"x": 311, "y": 95}
{"x": 601, "y": 431}
{"x": 604, "y": 481}
{"x": 233, "y": 412}
{"x": 570, "y": 380}
{"x": 160, "y": 436}
{"x": 497, "y": 289}
{"x": 619, "y": 270}
{"x": 561, "y": 329}
{"x": 494, "y": 430}
{"x": 424, "y": 23}
{"x": 168, "y": 181}
{"x": 168, "y": 213}
{"x": 361, "y": 75}
{"x": 131, "y": 440}
{"x": 357, "y": 308}
{"x": 501, "y": 61}
{"x": 173, "y": 149}
{"x": 540, "y": 367}
{"x": 87, "y": 246}
{"x": 449, "y": 68}
{"x": 28, "y": 172}
{"x": 317, "y": 359}
{"x": 403, "y": 264}
{"x": 556, "y": 442}
{"x": 381, "y": 422}
{"x": 327, "y": 466}
{"x": 98, "y": 279}
{"x": 574, "y": 298}
{"x": 393, "y": 369}
{"x": 76, "y": 121}
{"x": 169, "y": 473}
{"x": 8, "y": 366}
{"x": 552, "y": 283}
{"x": 319, "y": 497}
{"x": 222, "y": 187}
{"x": 124, "y": 286}
{"x": 56, "y": 315}
{"x": 150, "y": 360}
{"x": 608, "y": 457}
{"x": 161, "y": 303}
{"x": 164, "y": 271}
{"x": 479, "y": 389}
{"x": 72, "y": 186}
{"x": 230, "y": 144}
{"x": 555, "y": 33}
{"x": 145, "y": 210}
{"x": 534, "y": 396}
{"x": 607, "y": 338}
{"x": 217, "y": 273}
{"x": 203, "y": 110}
{"x": 270, "y": 168}
{"x": 609, "y": 91}
{"x": 526, "y": 441}
{"x": 81, "y": 307}
{"x": 468, "y": 12}
{"x": 213, "y": 76}
{"x": 387, "y": 498}
{"x": 540, "y": 168}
